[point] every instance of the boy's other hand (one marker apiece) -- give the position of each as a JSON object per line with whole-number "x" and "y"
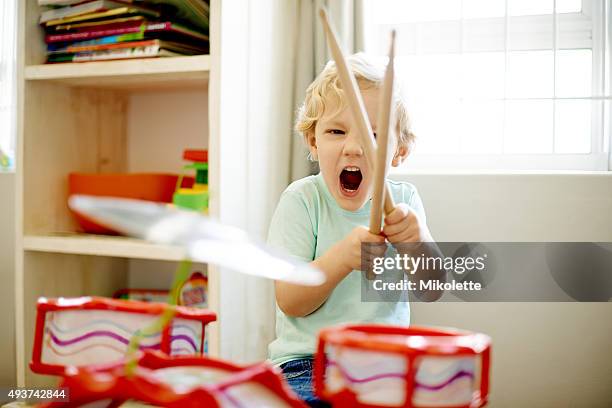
{"x": 350, "y": 247}
{"x": 403, "y": 225}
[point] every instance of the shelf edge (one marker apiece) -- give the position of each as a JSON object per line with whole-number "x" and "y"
{"x": 118, "y": 247}
{"x": 127, "y": 68}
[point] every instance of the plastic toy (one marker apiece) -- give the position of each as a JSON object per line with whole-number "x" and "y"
{"x": 193, "y": 292}
{"x": 151, "y": 187}
{"x": 5, "y": 161}
{"x": 91, "y": 330}
{"x": 387, "y": 366}
{"x": 196, "y": 197}
{"x": 180, "y": 382}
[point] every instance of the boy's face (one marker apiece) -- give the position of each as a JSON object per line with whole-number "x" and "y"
{"x": 336, "y": 144}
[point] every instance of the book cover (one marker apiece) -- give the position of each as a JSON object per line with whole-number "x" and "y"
{"x": 58, "y": 2}
{"x": 153, "y": 50}
{"x": 192, "y": 12}
{"x": 114, "y": 54}
{"x": 122, "y": 11}
{"x": 164, "y": 29}
{"x": 185, "y": 49}
{"x": 85, "y": 45}
{"x": 82, "y": 8}
{"x": 87, "y": 25}
{"x": 89, "y": 33}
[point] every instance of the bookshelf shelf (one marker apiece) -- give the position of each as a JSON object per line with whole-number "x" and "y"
{"x": 98, "y": 245}
{"x": 150, "y": 74}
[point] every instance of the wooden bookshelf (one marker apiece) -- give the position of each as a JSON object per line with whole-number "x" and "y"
{"x": 113, "y": 116}
{"x": 80, "y": 117}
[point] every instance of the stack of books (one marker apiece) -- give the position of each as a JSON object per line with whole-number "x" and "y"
{"x": 94, "y": 30}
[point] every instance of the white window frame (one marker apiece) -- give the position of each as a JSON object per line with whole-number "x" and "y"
{"x": 600, "y": 157}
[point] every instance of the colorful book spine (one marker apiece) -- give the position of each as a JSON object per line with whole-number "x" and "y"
{"x": 98, "y": 47}
{"x": 153, "y": 27}
{"x": 95, "y": 33}
{"x": 113, "y": 54}
{"x": 86, "y": 45}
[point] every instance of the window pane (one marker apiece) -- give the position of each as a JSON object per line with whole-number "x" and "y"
{"x": 529, "y": 7}
{"x": 569, "y": 6}
{"x": 573, "y": 126}
{"x": 574, "y": 71}
{"x": 528, "y": 127}
{"x": 530, "y": 74}
{"x": 429, "y": 76}
{"x": 483, "y": 127}
{"x": 407, "y": 11}
{"x": 531, "y": 33}
{"x": 483, "y": 74}
{"x": 483, "y": 8}
{"x": 436, "y": 125}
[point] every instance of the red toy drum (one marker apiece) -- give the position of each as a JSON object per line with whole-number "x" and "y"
{"x": 388, "y": 366}
{"x": 90, "y": 330}
{"x": 179, "y": 382}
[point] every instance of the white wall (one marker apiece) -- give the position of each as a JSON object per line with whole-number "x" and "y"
{"x": 7, "y": 277}
{"x": 544, "y": 354}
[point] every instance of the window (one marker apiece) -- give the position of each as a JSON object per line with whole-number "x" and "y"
{"x": 7, "y": 85}
{"x": 502, "y": 84}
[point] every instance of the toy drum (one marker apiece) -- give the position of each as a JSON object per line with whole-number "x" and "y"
{"x": 388, "y": 366}
{"x": 180, "y": 382}
{"x": 90, "y": 330}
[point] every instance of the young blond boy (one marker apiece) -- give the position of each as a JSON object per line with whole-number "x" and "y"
{"x": 322, "y": 219}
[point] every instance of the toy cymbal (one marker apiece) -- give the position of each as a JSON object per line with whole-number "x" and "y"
{"x": 205, "y": 240}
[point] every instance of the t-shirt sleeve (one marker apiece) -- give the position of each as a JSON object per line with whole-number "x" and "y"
{"x": 291, "y": 229}
{"x": 416, "y": 204}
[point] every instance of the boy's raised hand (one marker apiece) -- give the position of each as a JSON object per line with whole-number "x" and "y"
{"x": 350, "y": 247}
{"x": 403, "y": 225}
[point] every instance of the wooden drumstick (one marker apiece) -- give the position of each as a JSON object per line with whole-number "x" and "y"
{"x": 385, "y": 133}
{"x": 354, "y": 101}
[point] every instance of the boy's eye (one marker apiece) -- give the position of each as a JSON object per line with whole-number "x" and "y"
{"x": 374, "y": 135}
{"x": 335, "y": 131}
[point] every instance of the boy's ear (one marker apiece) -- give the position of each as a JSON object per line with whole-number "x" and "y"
{"x": 401, "y": 153}
{"x": 311, "y": 141}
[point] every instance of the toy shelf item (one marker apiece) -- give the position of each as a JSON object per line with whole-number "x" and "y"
{"x": 180, "y": 382}
{"x": 91, "y": 330}
{"x": 143, "y": 186}
{"x": 196, "y": 197}
{"x": 142, "y": 295}
{"x": 387, "y": 366}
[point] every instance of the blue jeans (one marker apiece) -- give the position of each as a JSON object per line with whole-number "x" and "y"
{"x": 298, "y": 374}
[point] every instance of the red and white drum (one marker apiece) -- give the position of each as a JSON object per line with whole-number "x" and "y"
{"x": 387, "y": 366}
{"x": 178, "y": 382}
{"x": 90, "y": 330}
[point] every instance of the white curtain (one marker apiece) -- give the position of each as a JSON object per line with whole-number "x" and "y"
{"x": 8, "y": 18}
{"x": 311, "y": 55}
{"x": 285, "y": 51}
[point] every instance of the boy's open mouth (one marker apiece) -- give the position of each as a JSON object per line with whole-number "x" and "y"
{"x": 350, "y": 179}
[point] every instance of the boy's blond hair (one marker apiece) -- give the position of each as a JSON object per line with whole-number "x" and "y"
{"x": 368, "y": 74}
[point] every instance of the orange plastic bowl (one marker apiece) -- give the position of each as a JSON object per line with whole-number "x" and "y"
{"x": 141, "y": 186}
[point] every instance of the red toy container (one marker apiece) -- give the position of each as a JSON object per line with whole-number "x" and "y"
{"x": 179, "y": 382}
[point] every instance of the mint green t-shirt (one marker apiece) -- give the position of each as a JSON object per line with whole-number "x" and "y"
{"x": 306, "y": 223}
